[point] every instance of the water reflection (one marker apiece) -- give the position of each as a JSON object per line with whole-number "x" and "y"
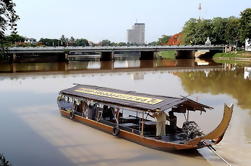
{"x": 215, "y": 82}
{"x": 247, "y": 73}
{"x": 102, "y": 65}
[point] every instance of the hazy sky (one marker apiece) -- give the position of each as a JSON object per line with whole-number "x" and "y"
{"x": 109, "y": 19}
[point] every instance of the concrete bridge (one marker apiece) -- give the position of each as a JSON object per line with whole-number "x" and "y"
{"x": 107, "y": 53}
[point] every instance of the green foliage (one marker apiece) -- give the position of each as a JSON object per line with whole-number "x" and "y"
{"x": 245, "y": 24}
{"x": 50, "y": 42}
{"x": 154, "y": 43}
{"x": 81, "y": 42}
{"x": 122, "y": 44}
{"x": 105, "y": 43}
{"x": 8, "y": 16}
{"x": 230, "y": 30}
{"x": 163, "y": 40}
{"x": 196, "y": 31}
{"x": 14, "y": 38}
{"x": 190, "y": 31}
{"x": 239, "y": 54}
{"x": 218, "y": 29}
{"x": 167, "y": 54}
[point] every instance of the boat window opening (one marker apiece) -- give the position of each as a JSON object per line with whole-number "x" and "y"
{"x": 70, "y": 100}
{"x": 60, "y": 97}
{"x": 66, "y": 99}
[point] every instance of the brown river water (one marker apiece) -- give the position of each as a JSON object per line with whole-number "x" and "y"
{"x": 34, "y": 133}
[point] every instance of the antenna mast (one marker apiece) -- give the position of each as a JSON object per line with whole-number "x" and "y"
{"x": 200, "y": 8}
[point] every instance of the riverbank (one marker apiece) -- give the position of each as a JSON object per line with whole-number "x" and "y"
{"x": 239, "y": 56}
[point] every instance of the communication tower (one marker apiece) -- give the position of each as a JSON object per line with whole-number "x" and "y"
{"x": 200, "y": 8}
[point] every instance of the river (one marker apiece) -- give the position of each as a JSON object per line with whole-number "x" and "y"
{"x": 34, "y": 133}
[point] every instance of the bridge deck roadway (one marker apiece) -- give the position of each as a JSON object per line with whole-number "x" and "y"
{"x": 20, "y": 50}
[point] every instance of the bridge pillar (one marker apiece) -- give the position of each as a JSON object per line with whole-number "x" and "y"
{"x": 66, "y": 58}
{"x": 146, "y": 64}
{"x": 107, "y": 56}
{"x": 13, "y": 68}
{"x": 63, "y": 66}
{"x": 13, "y": 58}
{"x": 185, "y": 54}
{"x": 146, "y": 55}
{"x": 106, "y": 65}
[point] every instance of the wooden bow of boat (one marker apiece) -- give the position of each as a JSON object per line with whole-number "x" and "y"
{"x": 217, "y": 134}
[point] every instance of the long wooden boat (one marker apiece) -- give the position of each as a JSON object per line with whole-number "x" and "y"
{"x": 125, "y": 114}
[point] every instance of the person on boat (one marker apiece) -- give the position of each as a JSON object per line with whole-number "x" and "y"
{"x": 173, "y": 122}
{"x": 89, "y": 110}
{"x": 75, "y": 106}
{"x": 83, "y": 108}
{"x": 107, "y": 113}
{"x": 160, "y": 123}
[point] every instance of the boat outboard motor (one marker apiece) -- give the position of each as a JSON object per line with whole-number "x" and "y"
{"x": 191, "y": 130}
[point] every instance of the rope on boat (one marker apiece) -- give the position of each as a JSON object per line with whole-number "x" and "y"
{"x": 210, "y": 147}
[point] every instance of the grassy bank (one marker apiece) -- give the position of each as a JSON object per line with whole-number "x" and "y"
{"x": 167, "y": 54}
{"x": 232, "y": 55}
{"x": 240, "y": 57}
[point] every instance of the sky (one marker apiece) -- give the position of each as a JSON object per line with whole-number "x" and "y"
{"x": 97, "y": 20}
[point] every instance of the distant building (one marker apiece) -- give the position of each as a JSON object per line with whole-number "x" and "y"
{"x": 136, "y": 35}
{"x": 248, "y": 45}
{"x": 30, "y": 40}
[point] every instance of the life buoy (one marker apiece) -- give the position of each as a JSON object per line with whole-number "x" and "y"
{"x": 115, "y": 131}
{"x": 71, "y": 115}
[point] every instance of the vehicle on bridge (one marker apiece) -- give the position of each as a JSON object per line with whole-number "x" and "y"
{"x": 129, "y": 115}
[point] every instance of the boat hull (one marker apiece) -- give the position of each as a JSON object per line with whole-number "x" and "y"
{"x": 146, "y": 141}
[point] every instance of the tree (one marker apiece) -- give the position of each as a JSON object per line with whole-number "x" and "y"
{"x": 232, "y": 30}
{"x": 163, "y": 40}
{"x": 245, "y": 25}
{"x": 82, "y": 42}
{"x": 218, "y": 30}
{"x": 190, "y": 31}
{"x": 105, "y": 43}
{"x": 176, "y": 39}
{"x": 64, "y": 40}
{"x": 14, "y": 38}
{"x": 154, "y": 43}
{"x": 8, "y": 16}
{"x": 122, "y": 44}
{"x": 72, "y": 41}
{"x": 49, "y": 42}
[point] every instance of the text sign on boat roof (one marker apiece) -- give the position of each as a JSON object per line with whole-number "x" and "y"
{"x": 140, "y": 99}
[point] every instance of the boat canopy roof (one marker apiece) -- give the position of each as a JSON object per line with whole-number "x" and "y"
{"x": 132, "y": 99}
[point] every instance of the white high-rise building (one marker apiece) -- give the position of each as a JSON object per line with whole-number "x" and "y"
{"x": 136, "y": 35}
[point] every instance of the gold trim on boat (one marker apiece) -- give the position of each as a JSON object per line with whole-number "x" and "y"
{"x": 140, "y": 99}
